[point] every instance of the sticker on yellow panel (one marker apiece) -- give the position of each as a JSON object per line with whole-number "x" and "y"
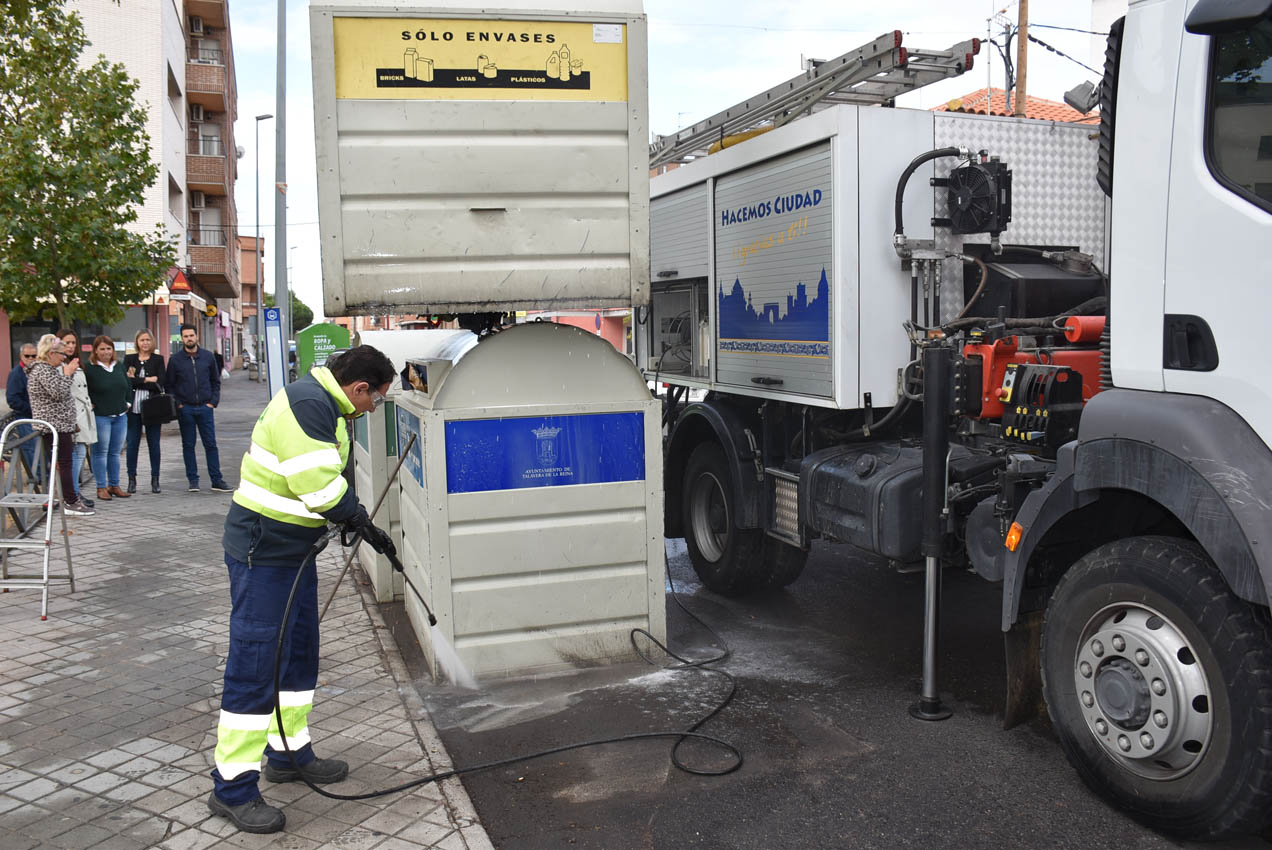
{"x": 427, "y": 59}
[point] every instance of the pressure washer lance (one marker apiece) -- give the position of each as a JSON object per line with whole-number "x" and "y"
{"x": 680, "y": 737}
{"x": 353, "y": 547}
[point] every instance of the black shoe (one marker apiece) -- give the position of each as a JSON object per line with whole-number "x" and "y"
{"x": 132, "y": 484}
{"x": 318, "y": 771}
{"x": 252, "y": 816}
{"x": 154, "y": 484}
{"x": 221, "y": 487}
{"x": 193, "y": 488}
{"x": 88, "y": 503}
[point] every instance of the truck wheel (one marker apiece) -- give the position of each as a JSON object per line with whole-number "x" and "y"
{"x": 783, "y": 563}
{"x": 729, "y": 560}
{"x": 1158, "y": 680}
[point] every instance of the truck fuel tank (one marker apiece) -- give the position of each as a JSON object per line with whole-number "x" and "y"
{"x": 869, "y": 495}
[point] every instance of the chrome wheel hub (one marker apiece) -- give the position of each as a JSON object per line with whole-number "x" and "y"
{"x": 1143, "y": 692}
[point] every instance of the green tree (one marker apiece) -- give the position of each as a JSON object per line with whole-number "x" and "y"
{"x": 302, "y": 315}
{"x": 74, "y": 165}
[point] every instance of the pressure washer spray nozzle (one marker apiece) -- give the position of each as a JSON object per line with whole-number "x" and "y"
{"x": 397, "y": 565}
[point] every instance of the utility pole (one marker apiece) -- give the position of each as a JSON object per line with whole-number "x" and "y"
{"x": 260, "y": 259}
{"x": 1022, "y": 59}
{"x": 282, "y": 293}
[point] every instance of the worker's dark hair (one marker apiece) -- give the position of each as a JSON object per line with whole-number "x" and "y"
{"x": 186, "y": 326}
{"x": 362, "y": 363}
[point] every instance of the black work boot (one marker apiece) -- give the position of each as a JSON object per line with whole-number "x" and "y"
{"x": 132, "y": 484}
{"x": 252, "y": 816}
{"x": 318, "y": 771}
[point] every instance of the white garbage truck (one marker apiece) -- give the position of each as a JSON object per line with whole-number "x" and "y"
{"x": 1028, "y": 349}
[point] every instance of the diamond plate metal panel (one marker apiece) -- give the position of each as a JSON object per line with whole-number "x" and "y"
{"x": 1055, "y": 199}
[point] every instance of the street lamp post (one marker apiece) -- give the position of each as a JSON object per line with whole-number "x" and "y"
{"x": 260, "y": 258}
{"x": 281, "y": 292}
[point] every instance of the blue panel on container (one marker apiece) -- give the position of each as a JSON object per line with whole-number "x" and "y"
{"x": 544, "y": 451}
{"x": 407, "y": 424}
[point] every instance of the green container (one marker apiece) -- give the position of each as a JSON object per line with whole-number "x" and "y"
{"x": 316, "y": 343}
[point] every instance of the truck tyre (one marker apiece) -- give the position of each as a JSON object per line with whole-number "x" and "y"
{"x": 783, "y": 563}
{"x": 728, "y": 559}
{"x": 1158, "y": 680}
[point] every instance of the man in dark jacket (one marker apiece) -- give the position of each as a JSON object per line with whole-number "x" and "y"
{"x": 195, "y": 382}
{"x": 15, "y": 392}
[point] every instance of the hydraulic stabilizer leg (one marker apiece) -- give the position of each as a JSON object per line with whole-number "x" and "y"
{"x": 937, "y": 369}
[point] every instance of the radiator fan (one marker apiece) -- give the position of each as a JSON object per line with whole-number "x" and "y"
{"x": 980, "y": 197}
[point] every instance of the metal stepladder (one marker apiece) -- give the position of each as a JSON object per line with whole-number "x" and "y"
{"x": 18, "y": 503}
{"x": 873, "y": 74}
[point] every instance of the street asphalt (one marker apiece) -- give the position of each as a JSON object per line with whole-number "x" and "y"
{"x": 826, "y": 670}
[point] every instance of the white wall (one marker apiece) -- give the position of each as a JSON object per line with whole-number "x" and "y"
{"x": 146, "y": 37}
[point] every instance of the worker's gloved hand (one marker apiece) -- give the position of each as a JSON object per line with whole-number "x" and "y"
{"x": 379, "y": 540}
{"x": 375, "y": 537}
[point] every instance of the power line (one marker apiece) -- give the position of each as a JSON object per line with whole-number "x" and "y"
{"x": 1066, "y": 29}
{"x": 1064, "y": 55}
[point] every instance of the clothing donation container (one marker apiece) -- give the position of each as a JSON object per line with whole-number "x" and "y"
{"x": 531, "y": 501}
{"x": 481, "y": 158}
{"x": 375, "y": 449}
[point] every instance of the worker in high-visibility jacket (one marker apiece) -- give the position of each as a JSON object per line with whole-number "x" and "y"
{"x": 291, "y": 486}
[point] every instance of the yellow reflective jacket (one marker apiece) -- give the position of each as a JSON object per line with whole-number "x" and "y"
{"x": 291, "y": 479}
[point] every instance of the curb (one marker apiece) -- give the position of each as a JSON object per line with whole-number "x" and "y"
{"x": 458, "y": 805}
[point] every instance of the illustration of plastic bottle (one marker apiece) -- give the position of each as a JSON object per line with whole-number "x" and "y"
{"x": 553, "y": 66}
{"x": 408, "y": 63}
{"x": 565, "y": 62}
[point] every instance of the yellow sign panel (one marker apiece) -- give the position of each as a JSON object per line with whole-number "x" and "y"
{"x": 470, "y": 59}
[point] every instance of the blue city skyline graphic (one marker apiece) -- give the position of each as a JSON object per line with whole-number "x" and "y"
{"x": 802, "y": 329}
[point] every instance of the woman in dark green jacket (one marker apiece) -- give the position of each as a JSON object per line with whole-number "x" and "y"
{"x": 111, "y": 391}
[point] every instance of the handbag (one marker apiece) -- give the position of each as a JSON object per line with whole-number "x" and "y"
{"x": 159, "y": 409}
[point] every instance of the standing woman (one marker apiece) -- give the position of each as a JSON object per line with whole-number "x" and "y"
{"x": 111, "y": 391}
{"x": 145, "y": 370}
{"x": 49, "y": 386}
{"x": 86, "y": 434}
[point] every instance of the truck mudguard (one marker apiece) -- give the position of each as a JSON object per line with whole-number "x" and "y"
{"x": 1195, "y": 457}
{"x": 714, "y": 418}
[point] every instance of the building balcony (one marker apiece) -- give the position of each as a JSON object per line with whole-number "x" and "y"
{"x": 206, "y": 81}
{"x": 207, "y": 169}
{"x": 211, "y": 11}
{"x": 212, "y": 263}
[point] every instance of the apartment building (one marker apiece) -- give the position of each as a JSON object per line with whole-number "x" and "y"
{"x": 182, "y": 54}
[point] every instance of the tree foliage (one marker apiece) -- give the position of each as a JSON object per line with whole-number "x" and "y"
{"x": 301, "y": 313}
{"x": 75, "y": 164}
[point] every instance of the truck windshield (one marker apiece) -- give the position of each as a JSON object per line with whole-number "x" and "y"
{"x": 1240, "y": 119}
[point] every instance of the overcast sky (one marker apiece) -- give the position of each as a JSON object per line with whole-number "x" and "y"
{"x": 704, "y": 57}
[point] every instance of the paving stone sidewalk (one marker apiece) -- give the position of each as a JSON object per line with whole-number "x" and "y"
{"x": 108, "y": 709}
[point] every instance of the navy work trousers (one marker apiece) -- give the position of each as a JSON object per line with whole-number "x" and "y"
{"x": 258, "y": 596}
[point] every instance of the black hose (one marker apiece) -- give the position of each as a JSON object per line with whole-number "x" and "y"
{"x": 909, "y": 172}
{"x": 679, "y": 736}
{"x": 1099, "y": 304}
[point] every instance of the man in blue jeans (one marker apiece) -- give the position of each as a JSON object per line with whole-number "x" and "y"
{"x": 20, "y": 403}
{"x": 195, "y": 382}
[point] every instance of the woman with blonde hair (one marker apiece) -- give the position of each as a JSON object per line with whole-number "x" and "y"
{"x": 111, "y": 391}
{"x": 145, "y": 369}
{"x": 49, "y": 386}
{"x": 86, "y": 422}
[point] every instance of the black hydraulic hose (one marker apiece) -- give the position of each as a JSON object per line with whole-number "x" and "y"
{"x": 1090, "y": 307}
{"x": 909, "y": 172}
{"x": 679, "y": 736}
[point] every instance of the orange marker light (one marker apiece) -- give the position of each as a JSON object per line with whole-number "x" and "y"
{"x": 1013, "y": 537}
